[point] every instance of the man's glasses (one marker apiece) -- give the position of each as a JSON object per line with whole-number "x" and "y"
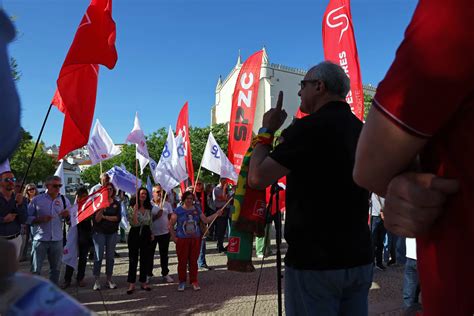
{"x": 57, "y": 186}
{"x": 304, "y": 82}
{"x": 9, "y": 180}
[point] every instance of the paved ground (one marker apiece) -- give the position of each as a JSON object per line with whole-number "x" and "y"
{"x": 222, "y": 293}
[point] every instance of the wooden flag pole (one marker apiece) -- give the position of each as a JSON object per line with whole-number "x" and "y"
{"x": 163, "y": 200}
{"x": 136, "y": 176}
{"x": 209, "y": 226}
{"x": 197, "y": 178}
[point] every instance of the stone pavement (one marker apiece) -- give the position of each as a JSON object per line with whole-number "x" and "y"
{"x": 222, "y": 292}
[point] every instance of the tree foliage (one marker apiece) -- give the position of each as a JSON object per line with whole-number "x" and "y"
{"x": 155, "y": 143}
{"x": 42, "y": 166}
{"x": 367, "y": 104}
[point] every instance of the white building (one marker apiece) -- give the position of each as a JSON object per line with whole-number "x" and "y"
{"x": 273, "y": 78}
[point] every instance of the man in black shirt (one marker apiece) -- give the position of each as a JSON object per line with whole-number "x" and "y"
{"x": 329, "y": 259}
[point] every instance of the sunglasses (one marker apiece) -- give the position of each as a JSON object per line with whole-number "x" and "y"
{"x": 57, "y": 186}
{"x": 31, "y": 189}
{"x": 9, "y": 180}
{"x": 304, "y": 82}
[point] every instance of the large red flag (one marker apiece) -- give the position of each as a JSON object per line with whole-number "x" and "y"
{"x": 94, "y": 202}
{"x": 76, "y": 92}
{"x": 340, "y": 48}
{"x": 182, "y": 125}
{"x": 244, "y": 103}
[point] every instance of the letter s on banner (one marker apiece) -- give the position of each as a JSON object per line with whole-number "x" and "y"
{"x": 339, "y": 42}
{"x": 242, "y": 118}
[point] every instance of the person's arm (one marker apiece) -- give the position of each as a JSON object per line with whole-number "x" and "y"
{"x": 171, "y": 227}
{"x": 209, "y": 219}
{"x": 263, "y": 170}
{"x": 21, "y": 209}
{"x": 384, "y": 150}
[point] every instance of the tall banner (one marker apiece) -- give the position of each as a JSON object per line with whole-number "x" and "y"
{"x": 182, "y": 127}
{"x": 340, "y": 48}
{"x": 244, "y": 103}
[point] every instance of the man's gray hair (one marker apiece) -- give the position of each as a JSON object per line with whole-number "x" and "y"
{"x": 333, "y": 76}
{"x": 52, "y": 178}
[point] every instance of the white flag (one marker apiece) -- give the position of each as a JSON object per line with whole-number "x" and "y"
{"x": 100, "y": 146}
{"x": 181, "y": 171}
{"x": 137, "y": 137}
{"x": 162, "y": 174}
{"x": 60, "y": 173}
{"x": 70, "y": 251}
{"x": 170, "y": 157}
{"x": 216, "y": 161}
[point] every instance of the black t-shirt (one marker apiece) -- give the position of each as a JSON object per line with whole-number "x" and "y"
{"x": 326, "y": 212}
{"x": 105, "y": 226}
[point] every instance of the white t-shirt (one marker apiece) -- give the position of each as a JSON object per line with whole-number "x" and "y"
{"x": 411, "y": 248}
{"x": 160, "y": 226}
{"x": 377, "y": 204}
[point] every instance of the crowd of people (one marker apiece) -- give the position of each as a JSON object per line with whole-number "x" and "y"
{"x": 40, "y": 222}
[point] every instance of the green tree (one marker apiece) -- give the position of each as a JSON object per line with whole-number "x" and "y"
{"x": 367, "y": 104}
{"x": 42, "y": 166}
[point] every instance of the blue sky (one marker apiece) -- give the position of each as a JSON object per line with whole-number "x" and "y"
{"x": 172, "y": 51}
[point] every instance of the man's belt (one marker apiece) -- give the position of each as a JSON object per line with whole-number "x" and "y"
{"x": 11, "y": 236}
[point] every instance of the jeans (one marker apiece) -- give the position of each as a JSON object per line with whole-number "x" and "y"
{"x": 411, "y": 285}
{"x": 101, "y": 241}
{"x": 54, "y": 251}
{"x": 328, "y": 292}
{"x": 202, "y": 254}
{"x": 395, "y": 248}
{"x": 163, "y": 242}
{"x": 378, "y": 235}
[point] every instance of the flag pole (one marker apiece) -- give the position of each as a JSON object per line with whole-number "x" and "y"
{"x": 36, "y": 146}
{"x": 100, "y": 164}
{"x": 136, "y": 176}
{"x": 197, "y": 178}
{"x": 163, "y": 200}
{"x": 208, "y": 227}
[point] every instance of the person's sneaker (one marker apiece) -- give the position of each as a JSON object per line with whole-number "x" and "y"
{"x": 380, "y": 266}
{"x": 111, "y": 285}
{"x": 181, "y": 286}
{"x": 167, "y": 279}
{"x": 196, "y": 286}
{"x": 205, "y": 266}
{"x": 96, "y": 285}
{"x": 65, "y": 285}
{"x": 391, "y": 262}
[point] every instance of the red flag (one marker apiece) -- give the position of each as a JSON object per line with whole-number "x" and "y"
{"x": 340, "y": 48}
{"x": 244, "y": 103}
{"x": 94, "y": 202}
{"x": 76, "y": 92}
{"x": 182, "y": 125}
